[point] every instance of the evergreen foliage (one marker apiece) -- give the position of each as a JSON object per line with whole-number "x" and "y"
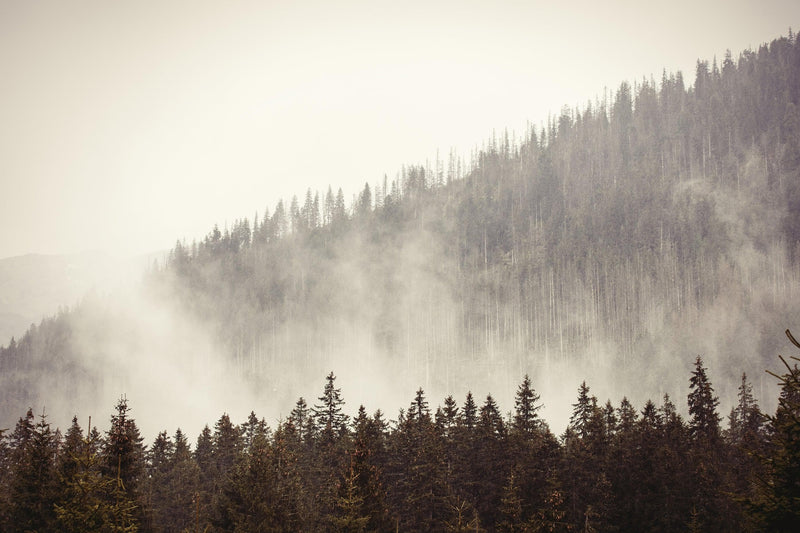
{"x": 614, "y": 469}
{"x": 543, "y": 246}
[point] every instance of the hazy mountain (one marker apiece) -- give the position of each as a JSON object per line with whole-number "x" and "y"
{"x": 33, "y": 286}
{"x": 613, "y": 244}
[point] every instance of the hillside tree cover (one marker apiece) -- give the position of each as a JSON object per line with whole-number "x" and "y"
{"x": 659, "y": 220}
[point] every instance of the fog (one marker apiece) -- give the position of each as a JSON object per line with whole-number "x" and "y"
{"x": 127, "y": 127}
{"x": 145, "y": 343}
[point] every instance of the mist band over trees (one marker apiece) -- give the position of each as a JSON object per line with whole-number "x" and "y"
{"x": 653, "y": 224}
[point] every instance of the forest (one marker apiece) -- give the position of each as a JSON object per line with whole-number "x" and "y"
{"x": 616, "y": 242}
{"x": 660, "y": 219}
{"x": 461, "y": 467}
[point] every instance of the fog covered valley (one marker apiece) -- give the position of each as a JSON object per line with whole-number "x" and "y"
{"x": 634, "y": 258}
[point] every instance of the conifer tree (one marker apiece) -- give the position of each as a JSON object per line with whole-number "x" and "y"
{"x": 704, "y": 420}
{"x": 419, "y": 497}
{"x": 511, "y": 518}
{"x": 226, "y": 447}
{"x": 469, "y": 412}
{"x": 182, "y": 479}
{"x": 449, "y": 418}
{"x": 91, "y": 501}
{"x": 330, "y": 420}
{"x": 349, "y": 514}
{"x": 710, "y": 501}
{"x": 365, "y": 471}
{"x": 33, "y": 488}
{"x": 776, "y": 503}
{"x": 330, "y": 445}
{"x": 255, "y": 496}
{"x": 526, "y": 418}
{"x": 5, "y": 474}
{"x": 124, "y": 461}
{"x": 156, "y": 485}
{"x": 70, "y": 451}
{"x": 582, "y": 412}
{"x": 207, "y": 477}
{"x": 302, "y": 421}
{"x": 490, "y": 470}
{"x": 552, "y": 516}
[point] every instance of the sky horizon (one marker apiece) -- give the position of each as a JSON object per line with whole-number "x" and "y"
{"x": 124, "y": 127}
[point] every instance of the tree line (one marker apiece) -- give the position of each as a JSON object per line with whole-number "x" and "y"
{"x": 457, "y": 467}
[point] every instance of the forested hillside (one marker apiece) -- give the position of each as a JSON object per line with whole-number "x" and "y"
{"x": 657, "y": 222}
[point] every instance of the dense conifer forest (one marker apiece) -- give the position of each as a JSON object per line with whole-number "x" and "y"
{"x": 659, "y": 220}
{"x": 458, "y": 467}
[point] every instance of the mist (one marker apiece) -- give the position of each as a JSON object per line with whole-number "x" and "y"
{"x": 613, "y": 244}
{"x": 387, "y": 318}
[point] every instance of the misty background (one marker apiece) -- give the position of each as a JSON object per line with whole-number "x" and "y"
{"x": 128, "y": 127}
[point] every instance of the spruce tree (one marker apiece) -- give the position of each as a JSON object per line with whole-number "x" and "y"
{"x": 349, "y": 515}
{"x": 33, "y": 488}
{"x": 526, "y": 418}
{"x": 711, "y": 506}
{"x": 91, "y": 501}
{"x": 331, "y": 422}
{"x": 511, "y": 518}
{"x": 182, "y": 481}
{"x": 156, "y": 485}
{"x": 703, "y": 417}
{"x": 777, "y": 501}
{"x": 124, "y": 461}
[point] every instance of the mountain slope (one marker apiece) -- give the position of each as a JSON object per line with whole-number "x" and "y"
{"x": 616, "y": 243}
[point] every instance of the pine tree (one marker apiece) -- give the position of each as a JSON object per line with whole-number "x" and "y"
{"x": 469, "y": 412}
{"x": 419, "y": 496}
{"x": 490, "y": 470}
{"x": 71, "y": 450}
{"x": 156, "y": 486}
{"x": 449, "y": 418}
{"x": 365, "y": 468}
{"x": 777, "y": 503}
{"x": 511, "y": 518}
{"x": 746, "y": 420}
{"x": 182, "y": 481}
{"x": 552, "y": 516}
{"x": 251, "y": 428}
{"x": 302, "y": 421}
{"x": 672, "y": 466}
{"x": 5, "y": 475}
{"x": 33, "y": 488}
{"x": 582, "y": 412}
{"x": 704, "y": 420}
{"x": 330, "y": 420}
{"x": 349, "y": 515}
{"x": 526, "y": 418}
{"x": 226, "y": 448}
{"x": 711, "y": 505}
{"x": 206, "y": 488}
{"x": 91, "y": 501}
{"x": 124, "y": 461}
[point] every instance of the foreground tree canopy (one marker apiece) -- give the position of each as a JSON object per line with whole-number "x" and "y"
{"x": 453, "y": 468}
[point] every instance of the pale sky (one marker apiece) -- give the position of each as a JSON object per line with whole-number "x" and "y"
{"x": 127, "y": 125}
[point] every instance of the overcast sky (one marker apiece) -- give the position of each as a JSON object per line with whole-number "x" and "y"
{"x": 126, "y": 125}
